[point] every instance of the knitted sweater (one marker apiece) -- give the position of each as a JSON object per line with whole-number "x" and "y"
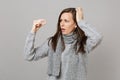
{"x": 73, "y": 67}
{"x": 64, "y": 65}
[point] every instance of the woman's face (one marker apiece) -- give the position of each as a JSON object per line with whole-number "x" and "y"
{"x": 66, "y": 23}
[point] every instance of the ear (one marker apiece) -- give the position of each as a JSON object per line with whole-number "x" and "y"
{"x": 75, "y": 26}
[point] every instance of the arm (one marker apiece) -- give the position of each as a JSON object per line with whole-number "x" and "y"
{"x": 93, "y": 37}
{"x": 32, "y": 53}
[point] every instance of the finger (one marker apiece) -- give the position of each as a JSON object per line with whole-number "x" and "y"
{"x": 40, "y": 20}
{"x": 43, "y": 22}
{"x": 76, "y": 9}
{"x": 79, "y": 9}
{"x": 37, "y": 25}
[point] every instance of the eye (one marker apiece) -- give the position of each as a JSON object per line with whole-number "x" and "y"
{"x": 66, "y": 20}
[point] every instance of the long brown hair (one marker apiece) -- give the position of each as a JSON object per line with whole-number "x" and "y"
{"x": 81, "y": 38}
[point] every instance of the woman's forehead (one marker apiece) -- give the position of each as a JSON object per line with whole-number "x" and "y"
{"x": 66, "y": 16}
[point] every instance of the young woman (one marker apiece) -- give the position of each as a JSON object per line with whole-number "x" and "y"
{"x": 67, "y": 50}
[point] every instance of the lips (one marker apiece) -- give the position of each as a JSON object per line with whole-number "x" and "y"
{"x": 63, "y": 29}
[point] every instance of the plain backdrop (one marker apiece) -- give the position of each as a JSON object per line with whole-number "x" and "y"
{"x": 16, "y": 19}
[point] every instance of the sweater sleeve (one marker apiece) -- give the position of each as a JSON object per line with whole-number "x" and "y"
{"x": 93, "y": 37}
{"x": 32, "y": 53}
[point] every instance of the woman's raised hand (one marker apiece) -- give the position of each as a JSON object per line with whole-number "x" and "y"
{"x": 79, "y": 14}
{"x": 37, "y": 24}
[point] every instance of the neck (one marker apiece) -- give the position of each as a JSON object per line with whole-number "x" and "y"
{"x": 69, "y": 38}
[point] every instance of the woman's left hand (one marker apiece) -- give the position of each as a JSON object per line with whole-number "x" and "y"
{"x": 79, "y": 14}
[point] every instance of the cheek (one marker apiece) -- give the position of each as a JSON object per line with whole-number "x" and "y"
{"x": 70, "y": 28}
{"x": 69, "y": 25}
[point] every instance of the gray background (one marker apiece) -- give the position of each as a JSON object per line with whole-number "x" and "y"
{"x": 16, "y": 18}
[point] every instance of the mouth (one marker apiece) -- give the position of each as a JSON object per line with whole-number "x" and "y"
{"x": 62, "y": 29}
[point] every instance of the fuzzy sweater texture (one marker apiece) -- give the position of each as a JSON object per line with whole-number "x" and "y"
{"x": 72, "y": 67}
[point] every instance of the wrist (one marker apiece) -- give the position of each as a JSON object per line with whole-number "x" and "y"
{"x": 33, "y": 31}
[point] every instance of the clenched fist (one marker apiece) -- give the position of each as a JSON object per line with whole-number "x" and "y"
{"x": 37, "y": 24}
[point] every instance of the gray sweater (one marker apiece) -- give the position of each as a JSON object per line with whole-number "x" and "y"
{"x": 64, "y": 60}
{"x": 74, "y": 67}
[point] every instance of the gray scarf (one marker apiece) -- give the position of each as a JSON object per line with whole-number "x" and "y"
{"x": 54, "y": 63}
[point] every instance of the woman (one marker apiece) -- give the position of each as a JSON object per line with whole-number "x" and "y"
{"x": 68, "y": 49}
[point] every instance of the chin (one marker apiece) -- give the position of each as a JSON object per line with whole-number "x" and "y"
{"x": 65, "y": 33}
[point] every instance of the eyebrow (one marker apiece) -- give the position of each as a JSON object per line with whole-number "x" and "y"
{"x": 64, "y": 19}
